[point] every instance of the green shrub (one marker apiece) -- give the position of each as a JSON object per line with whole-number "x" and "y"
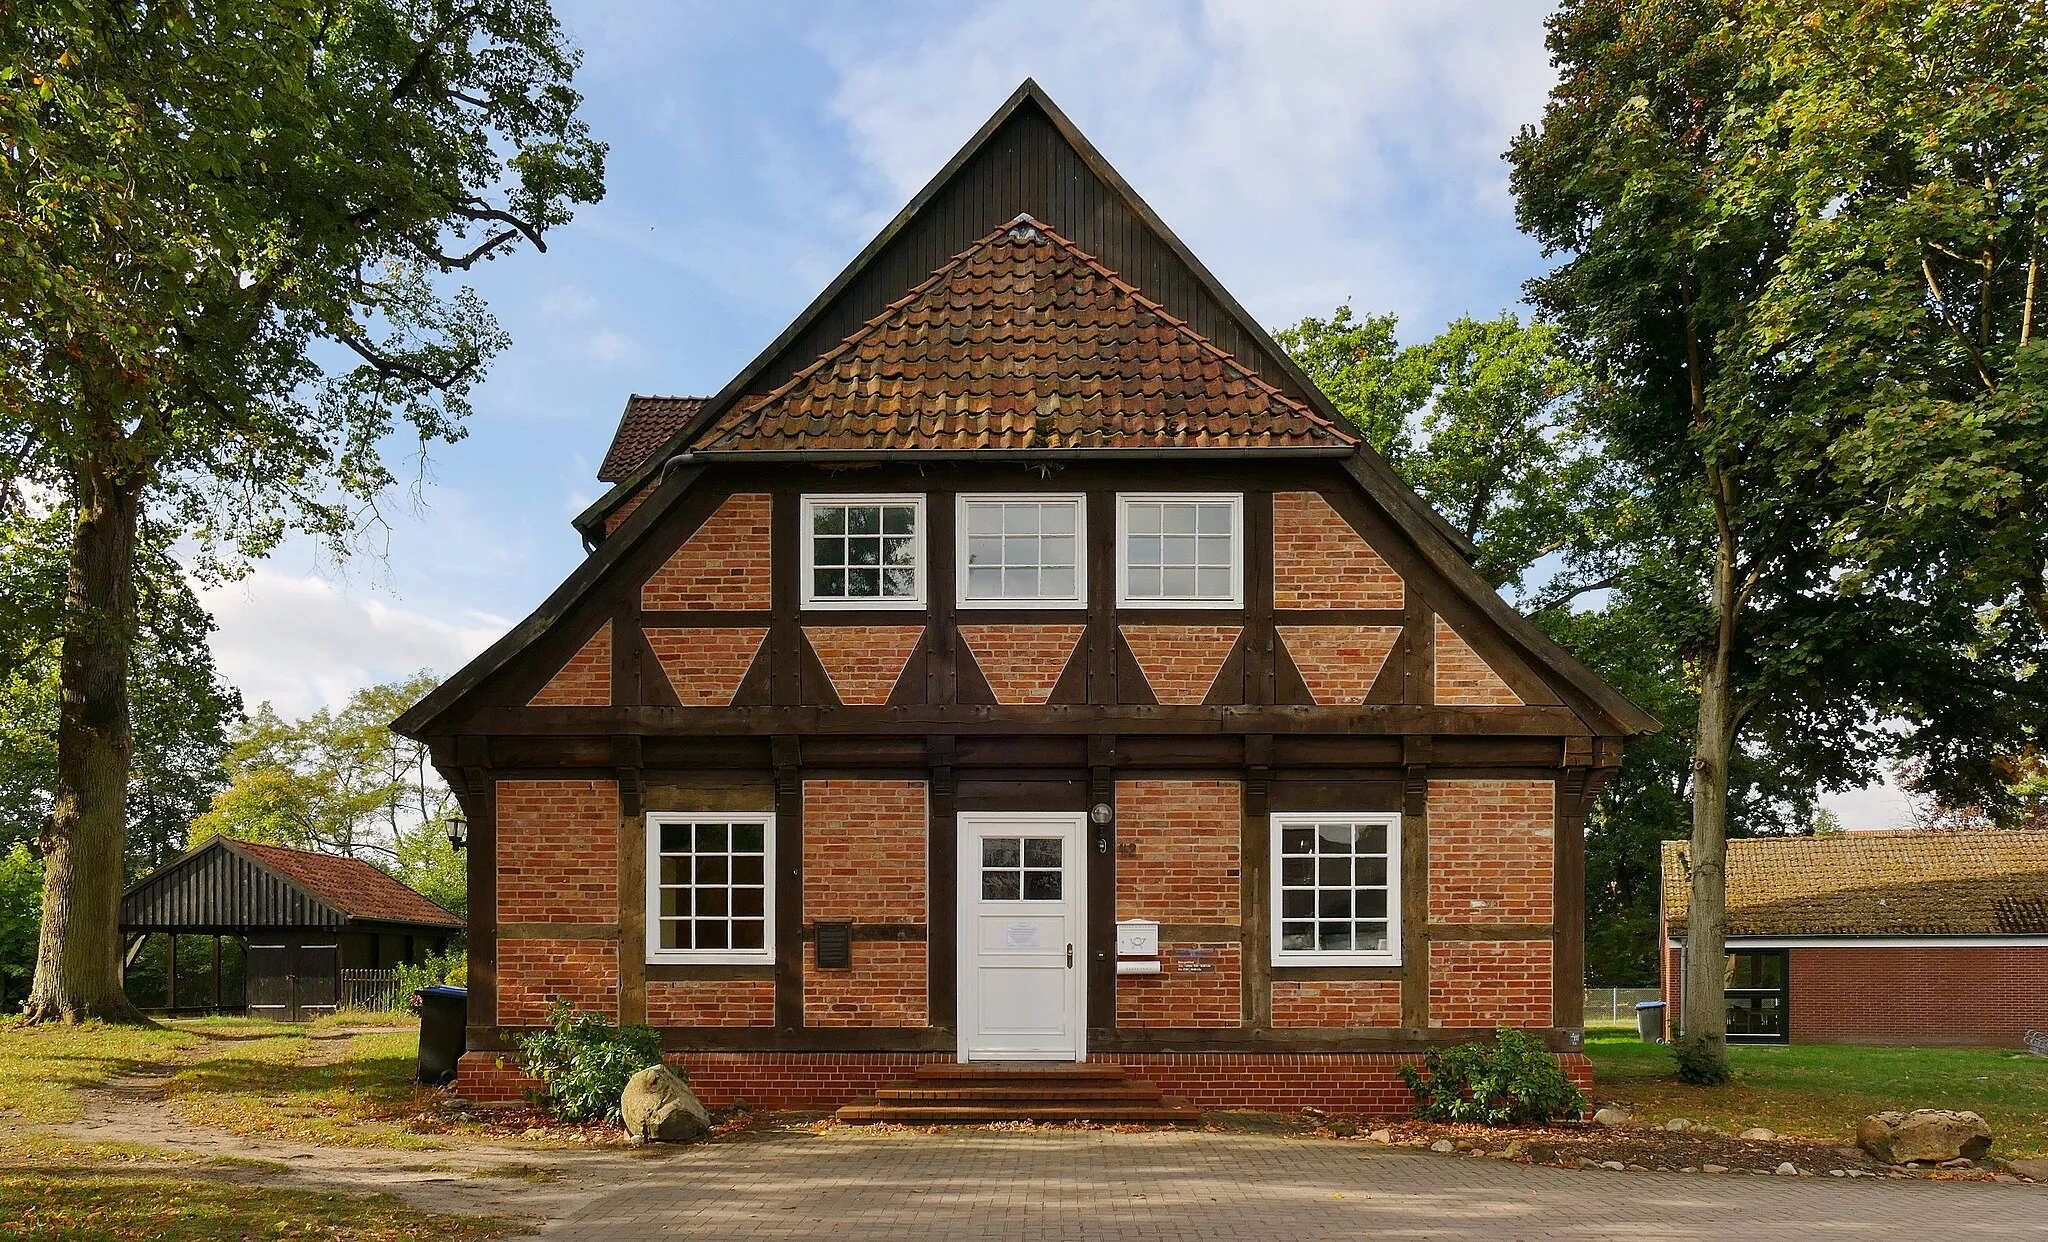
{"x": 431, "y": 969}
{"x": 1511, "y": 1081}
{"x": 1700, "y": 1062}
{"x": 582, "y": 1062}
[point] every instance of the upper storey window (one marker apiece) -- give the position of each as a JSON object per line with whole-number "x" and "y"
{"x": 1180, "y": 551}
{"x": 864, "y": 552}
{"x": 1022, "y": 551}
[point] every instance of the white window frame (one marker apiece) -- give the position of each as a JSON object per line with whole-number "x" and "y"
{"x": 1079, "y": 501}
{"x": 710, "y": 957}
{"x": 1124, "y": 501}
{"x": 808, "y": 553}
{"x": 1391, "y": 955}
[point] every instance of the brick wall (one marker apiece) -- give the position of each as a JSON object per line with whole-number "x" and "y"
{"x": 705, "y": 665}
{"x": 1463, "y": 679}
{"x": 533, "y": 974}
{"x": 1988, "y": 997}
{"x": 864, "y": 860}
{"x": 1022, "y": 662}
{"x": 1337, "y": 1002}
{"x": 586, "y": 680}
{"x": 711, "y": 1002}
{"x": 1491, "y": 851}
{"x": 723, "y": 564}
{"x": 1319, "y": 561}
{"x": 1480, "y": 983}
{"x": 1339, "y": 663}
{"x": 1187, "y": 836}
{"x": 863, "y": 661}
{"x": 1181, "y": 997}
{"x": 558, "y": 854}
{"x": 618, "y": 516}
{"x": 1180, "y": 662}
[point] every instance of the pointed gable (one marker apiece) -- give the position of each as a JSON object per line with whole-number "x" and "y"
{"x": 1023, "y": 341}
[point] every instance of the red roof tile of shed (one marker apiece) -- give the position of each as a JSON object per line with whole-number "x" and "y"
{"x": 350, "y": 885}
{"x": 645, "y": 426}
{"x": 1024, "y": 341}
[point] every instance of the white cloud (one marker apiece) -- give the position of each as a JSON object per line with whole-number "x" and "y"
{"x": 1879, "y": 806}
{"x": 305, "y": 643}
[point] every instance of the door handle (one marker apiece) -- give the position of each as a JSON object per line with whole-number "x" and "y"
{"x": 1070, "y": 957}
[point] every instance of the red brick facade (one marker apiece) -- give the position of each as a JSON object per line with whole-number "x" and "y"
{"x": 711, "y": 1002}
{"x": 1201, "y": 986}
{"x": 617, "y": 517}
{"x": 1339, "y": 663}
{"x": 1342, "y": 1002}
{"x": 586, "y": 680}
{"x": 706, "y": 664}
{"x": 1319, "y": 561}
{"x": 1187, "y": 859}
{"x": 863, "y": 661}
{"x": 1483, "y": 983}
{"x": 1463, "y": 679}
{"x": 722, "y": 565}
{"x": 1180, "y": 662}
{"x": 534, "y": 974}
{"x": 865, "y": 861}
{"x": 1021, "y": 662}
{"x": 558, "y": 852}
{"x": 1490, "y": 851}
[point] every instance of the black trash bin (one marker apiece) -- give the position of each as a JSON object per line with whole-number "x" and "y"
{"x": 444, "y": 1025}
{"x": 1649, "y": 1022}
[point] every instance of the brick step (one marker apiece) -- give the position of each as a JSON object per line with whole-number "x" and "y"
{"x": 1007, "y": 1071}
{"x": 1051, "y": 1093}
{"x": 1170, "y": 1110}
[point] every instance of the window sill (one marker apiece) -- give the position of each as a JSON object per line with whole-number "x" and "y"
{"x": 1301, "y": 960}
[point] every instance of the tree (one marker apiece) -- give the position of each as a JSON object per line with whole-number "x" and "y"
{"x": 223, "y": 227}
{"x": 1360, "y": 365}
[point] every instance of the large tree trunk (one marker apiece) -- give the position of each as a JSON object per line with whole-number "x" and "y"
{"x": 1705, "y": 1014}
{"x": 78, "y": 962}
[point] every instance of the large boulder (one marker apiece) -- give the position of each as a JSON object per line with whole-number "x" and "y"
{"x": 659, "y": 1107}
{"x": 1925, "y": 1134}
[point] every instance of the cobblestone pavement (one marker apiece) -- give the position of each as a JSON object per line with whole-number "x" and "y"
{"x": 1156, "y": 1186}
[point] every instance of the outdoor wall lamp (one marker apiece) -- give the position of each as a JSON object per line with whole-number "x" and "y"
{"x": 458, "y": 831}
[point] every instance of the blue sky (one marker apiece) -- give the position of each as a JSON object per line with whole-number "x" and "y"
{"x": 1310, "y": 153}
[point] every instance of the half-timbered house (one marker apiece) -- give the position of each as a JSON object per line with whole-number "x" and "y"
{"x": 1021, "y": 660}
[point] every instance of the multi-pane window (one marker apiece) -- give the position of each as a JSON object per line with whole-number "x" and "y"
{"x": 1756, "y": 996}
{"x": 1022, "y": 869}
{"x": 1180, "y": 551}
{"x": 864, "y": 551}
{"x": 1336, "y": 889}
{"x": 710, "y": 888}
{"x": 1022, "y": 551}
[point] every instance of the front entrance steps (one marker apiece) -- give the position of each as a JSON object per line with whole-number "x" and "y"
{"x": 1019, "y": 1091}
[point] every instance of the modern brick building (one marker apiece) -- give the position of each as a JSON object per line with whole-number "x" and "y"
{"x": 1920, "y": 938}
{"x": 1023, "y": 601}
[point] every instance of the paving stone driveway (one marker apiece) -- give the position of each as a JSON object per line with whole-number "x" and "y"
{"x": 1162, "y": 1185}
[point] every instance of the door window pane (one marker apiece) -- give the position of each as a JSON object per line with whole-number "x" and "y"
{"x": 1022, "y": 868}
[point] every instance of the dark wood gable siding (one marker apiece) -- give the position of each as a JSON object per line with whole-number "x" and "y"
{"x": 220, "y": 889}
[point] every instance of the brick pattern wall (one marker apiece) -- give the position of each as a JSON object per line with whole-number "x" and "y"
{"x": 1337, "y": 1002}
{"x": 1338, "y": 663}
{"x": 723, "y": 564}
{"x": 711, "y": 1002}
{"x": 1491, "y": 851}
{"x": 1185, "y": 998}
{"x": 1480, "y": 983}
{"x": 533, "y": 974}
{"x": 706, "y": 665}
{"x": 1022, "y": 662}
{"x": 1462, "y": 678}
{"x": 1188, "y": 862}
{"x": 863, "y": 661}
{"x": 1319, "y": 561}
{"x": 1181, "y": 661}
{"x": 619, "y": 515}
{"x": 558, "y": 854}
{"x": 586, "y": 680}
{"x": 1935, "y": 997}
{"x": 864, "y": 860}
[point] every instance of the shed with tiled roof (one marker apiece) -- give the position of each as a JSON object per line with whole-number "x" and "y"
{"x": 302, "y": 921}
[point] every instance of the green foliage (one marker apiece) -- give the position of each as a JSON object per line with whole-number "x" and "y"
{"x": 583, "y": 1062}
{"x": 1362, "y": 368}
{"x": 432, "y": 969}
{"x": 1511, "y": 1081}
{"x": 1702, "y": 1061}
{"x": 21, "y": 913}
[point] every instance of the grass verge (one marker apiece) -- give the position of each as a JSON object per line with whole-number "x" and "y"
{"x": 101, "y": 1207}
{"x": 1821, "y": 1091}
{"x": 361, "y": 1096}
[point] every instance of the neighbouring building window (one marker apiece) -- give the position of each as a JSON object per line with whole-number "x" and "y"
{"x": 1022, "y": 552}
{"x": 1180, "y": 551}
{"x": 1336, "y": 889}
{"x": 1757, "y": 996}
{"x": 710, "y": 887}
{"x": 863, "y": 552}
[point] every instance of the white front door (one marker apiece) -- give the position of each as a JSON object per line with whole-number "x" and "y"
{"x": 1023, "y": 963}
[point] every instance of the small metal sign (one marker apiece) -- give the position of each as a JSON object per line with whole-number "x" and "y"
{"x": 1193, "y": 961}
{"x": 835, "y": 946}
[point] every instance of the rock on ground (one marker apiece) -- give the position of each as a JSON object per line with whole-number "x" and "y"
{"x": 659, "y": 1107}
{"x": 1611, "y": 1116}
{"x": 1759, "y": 1134}
{"x": 1925, "y": 1134}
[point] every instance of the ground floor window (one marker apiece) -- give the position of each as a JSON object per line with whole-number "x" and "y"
{"x": 710, "y": 886}
{"x": 1756, "y": 993}
{"x": 1336, "y": 889}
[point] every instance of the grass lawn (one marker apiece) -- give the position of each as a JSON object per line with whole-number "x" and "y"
{"x": 92, "y": 1207}
{"x": 1821, "y": 1091}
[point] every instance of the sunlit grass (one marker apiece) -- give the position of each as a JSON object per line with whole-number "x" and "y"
{"x": 98, "y": 1207}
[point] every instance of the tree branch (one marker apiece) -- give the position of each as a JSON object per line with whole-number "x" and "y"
{"x": 1962, "y": 337}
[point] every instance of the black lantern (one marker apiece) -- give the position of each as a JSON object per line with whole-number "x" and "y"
{"x": 458, "y": 831}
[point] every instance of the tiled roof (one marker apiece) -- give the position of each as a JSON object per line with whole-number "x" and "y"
{"x": 1024, "y": 341}
{"x": 350, "y": 885}
{"x": 645, "y": 426}
{"x": 1878, "y": 884}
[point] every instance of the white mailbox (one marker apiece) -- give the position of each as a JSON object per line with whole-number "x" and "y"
{"x": 1137, "y": 938}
